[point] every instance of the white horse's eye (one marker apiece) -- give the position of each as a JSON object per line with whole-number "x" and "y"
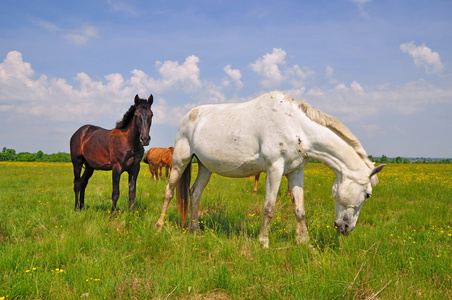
{"x": 368, "y": 195}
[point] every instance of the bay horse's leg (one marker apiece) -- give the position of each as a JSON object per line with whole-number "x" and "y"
{"x": 151, "y": 169}
{"x": 296, "y": 190}
{"x": 116, "y": 174}
{"x": 256, "y": 180}
{"x": 195, "y": 194}
{"x": 133, "y": 175}
{"x": 274, "y": 175}
{"x": 77, "y": 185}
{"x": 160, "y": 171}
{"x": 84, "y": 182}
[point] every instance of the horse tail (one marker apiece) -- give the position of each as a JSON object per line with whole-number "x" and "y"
{"x": 145, "y": 160}
{"x": 182, "y": 191}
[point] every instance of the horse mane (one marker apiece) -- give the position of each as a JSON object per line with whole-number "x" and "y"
{"x": 128, "y": 116}
{"x": 334, "y": 125}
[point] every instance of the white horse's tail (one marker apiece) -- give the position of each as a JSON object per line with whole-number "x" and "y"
{"x": 182, "y": 192}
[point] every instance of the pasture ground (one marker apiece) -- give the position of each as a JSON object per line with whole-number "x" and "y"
{"x": 400, "y": 249}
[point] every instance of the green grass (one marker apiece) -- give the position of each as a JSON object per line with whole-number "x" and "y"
{"x": 400, "y": 249}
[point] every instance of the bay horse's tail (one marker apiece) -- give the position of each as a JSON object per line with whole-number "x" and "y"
{"x": 182, "y": 193}
{"x": 146, "y": 160}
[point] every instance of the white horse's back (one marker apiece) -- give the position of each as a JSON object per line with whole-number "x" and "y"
{"x": 239, "y": 139}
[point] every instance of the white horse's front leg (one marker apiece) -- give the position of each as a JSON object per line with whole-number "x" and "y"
{"x": 273, "y": 181}
{"x": 296, "y": 188}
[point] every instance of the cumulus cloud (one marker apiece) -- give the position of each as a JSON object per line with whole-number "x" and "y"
{"x": 423, "y": 57}
{"x": 56, "y": 100}
{"x": 268, "y": 68}
{"x": 185, "y": 75}
{"x": 234, "y": 75}
{"x": 354, "y": 103}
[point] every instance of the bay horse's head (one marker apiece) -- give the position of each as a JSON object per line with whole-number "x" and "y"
{"x": 143, "y": 118}
{"x": 349, "y": 195}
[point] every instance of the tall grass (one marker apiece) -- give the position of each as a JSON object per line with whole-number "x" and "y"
{"x": 400, "y": 249}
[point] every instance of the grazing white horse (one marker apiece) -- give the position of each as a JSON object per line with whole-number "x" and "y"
{"x": 277, "y": 135}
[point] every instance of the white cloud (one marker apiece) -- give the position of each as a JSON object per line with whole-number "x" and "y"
{"x": 56, "y": 100}
{"x": 360, "y": 4}
{"x": 234, "y": 75}
{"x": 423, "y": 56}
{"x": 268, "y": 68}
{"x": 329, "y": 71}
{"x": 356, "y": 103}
{"x": 356, "y": 86}
{"x": 185, "y": 75}
{"x": 121, "y": 6}
{"x": 80, "y": 37}
{"x": 49, "y": 26}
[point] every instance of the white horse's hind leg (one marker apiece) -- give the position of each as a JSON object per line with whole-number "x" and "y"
{"x": 169, "y": 193}
{"x": 296, "y": 188}
{"x": 195, "y": 194}
{"x": 181, "y": 159}
{"x": 273, "y": 181}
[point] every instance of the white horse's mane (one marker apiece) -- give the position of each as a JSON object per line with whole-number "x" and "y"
{"x": 334, "y": 125}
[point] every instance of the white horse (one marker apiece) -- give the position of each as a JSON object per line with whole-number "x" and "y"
{"x": 277, "y": 135}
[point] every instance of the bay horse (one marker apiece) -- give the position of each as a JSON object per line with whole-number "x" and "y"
{"x": 277, "y": 135}
{"x": 120, "y": 149}
{"x": 159, "y": 158}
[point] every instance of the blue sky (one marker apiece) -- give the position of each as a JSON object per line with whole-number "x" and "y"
{"x": 381, "y": 67}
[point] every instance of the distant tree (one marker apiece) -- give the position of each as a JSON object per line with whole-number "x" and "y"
{"x": 26, "y": 156}
{"x": 39, "y": 155}
{"x": 384, "y": 159}
{"x": 398, "y": 160}
{"x": 8, "y": 154}
{"x": 406, "y": 161}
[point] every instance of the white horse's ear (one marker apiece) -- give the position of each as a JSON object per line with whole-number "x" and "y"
{"x": 373, "y": 177}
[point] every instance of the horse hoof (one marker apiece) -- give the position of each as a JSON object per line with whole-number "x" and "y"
{"x": 159, "y": 226}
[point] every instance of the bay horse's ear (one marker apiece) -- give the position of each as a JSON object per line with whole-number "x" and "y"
{"x": 137, "y": 99}
{"x": 150, "y": 99}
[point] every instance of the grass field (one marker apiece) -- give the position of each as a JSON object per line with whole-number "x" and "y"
{"x": 400, "y": 249}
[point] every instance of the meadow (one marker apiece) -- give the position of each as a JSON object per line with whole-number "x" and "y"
{"x": 401, "y": 247}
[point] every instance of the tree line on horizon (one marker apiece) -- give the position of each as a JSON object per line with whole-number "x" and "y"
{"x": 12, "y": 155}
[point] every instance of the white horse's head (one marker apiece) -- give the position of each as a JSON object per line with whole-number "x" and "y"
{"x": 349, "y": 196}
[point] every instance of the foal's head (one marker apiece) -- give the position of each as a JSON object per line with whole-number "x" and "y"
{"x": 143, "y": 118}
{"x": 349, "y": 195}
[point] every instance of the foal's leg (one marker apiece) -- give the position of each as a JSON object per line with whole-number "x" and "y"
{"x": 274, "y": 175}
{"x": 133, "y": 175}
{"x": 296, "y": 189}
{"x": 195, "y": 194}
{"x": 116, "y": 174}
{"x": 84, "y": 182}
{"x": 77, "y": 186}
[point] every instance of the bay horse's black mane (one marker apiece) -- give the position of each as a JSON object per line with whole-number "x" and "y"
{"x": 128, "y": 116}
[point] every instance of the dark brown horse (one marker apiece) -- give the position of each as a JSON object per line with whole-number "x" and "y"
{"x": 120, "y": 149}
